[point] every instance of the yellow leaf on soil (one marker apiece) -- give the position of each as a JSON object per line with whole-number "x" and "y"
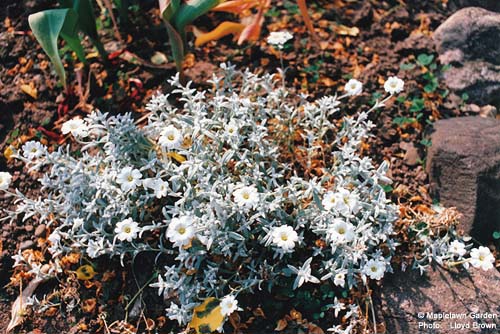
{"x": 207, "y": 317}
{"x": 85, "y": 272}
{"x": 30, "y": 90}
{"x": 345, "y": 30}
{"x": 222, "y": 30}
{"x": 8, "y": 152}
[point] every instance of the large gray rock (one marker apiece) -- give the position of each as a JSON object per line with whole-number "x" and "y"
{"x": 469, "y": 40}
{"x": 410, "y": 302}
{"x": 463, "y": 164}
{"x": 487, "y": 4}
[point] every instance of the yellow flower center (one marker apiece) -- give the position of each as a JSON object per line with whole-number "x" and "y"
{"x": 246, "y": 195}
{"x": 373, "y": 269}
{"x": 130, "y": 178}
{"x": 181, "y": 230}
{"x": 127, "y": 229}
{"x": 284, "y": 237}
{"x": 481, "y": 257}
{"x": 341, "y": 230}
{"x": 171, "y": 137}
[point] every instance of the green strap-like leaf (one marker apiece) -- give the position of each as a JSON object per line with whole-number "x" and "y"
{"x": 46, "y": 27}
{"x": 190, "y": 11}
{"x": 69, "y": 33}
{"x": 87, "y": 23}
{"x": 168, "y": 8}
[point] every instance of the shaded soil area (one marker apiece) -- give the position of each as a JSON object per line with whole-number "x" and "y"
{"x": 391, "y": 34}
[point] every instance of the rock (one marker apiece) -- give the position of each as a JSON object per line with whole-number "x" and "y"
{"x": 468, "y": 40}
{"x": 463, "y": 164}
{"x": 488, "y": 111}
{"x": 479, "y": 79}
{"x": 472, "y": 108}
{"x": 26, "y": 244}
{"x": 409, "y": 300}
{"x": 40, "y": 230}
{"x": 411, "y": 157}
{"x": 487, "y": 4}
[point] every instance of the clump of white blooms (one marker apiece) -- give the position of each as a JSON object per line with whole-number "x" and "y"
{"x": 279, "y": 38}
{"x": 437, "y": 240}
{"x": 222, "y": 187}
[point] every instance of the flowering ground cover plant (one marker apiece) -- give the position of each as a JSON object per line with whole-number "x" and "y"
{"x": 243, "y": 188}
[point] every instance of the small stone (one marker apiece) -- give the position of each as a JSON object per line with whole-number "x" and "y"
{"x": 411, "y": 157}
{"x": 26, "y": 244}
{"x": 39, "y": 230}
{"x": 488, "y": 111}
{"x": 473, "y": 108}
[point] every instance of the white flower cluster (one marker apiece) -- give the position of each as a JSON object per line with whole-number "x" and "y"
{"x": 435, "y": 235}
{"x": 223, "y": 187}
{"x": 279, "y": 38}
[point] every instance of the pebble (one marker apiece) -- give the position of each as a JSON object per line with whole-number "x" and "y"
{"x": 26, "y": 244}
{"x": 40, "y": 230}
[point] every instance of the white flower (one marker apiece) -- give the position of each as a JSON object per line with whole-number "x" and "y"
{"x": 77, "y": 222}
{"x": 55, "y": 241}
{"x": 341, "y": 231}
{"x": 343, "y": 201}
{"x": 96, "y": 248}
{"x": 161, "y": 285}
{"x": 375, "y": 269}
{"x": 339, "y": 279}
{"x": 228, "y": 305}
{"x": 77, "y": 126}
{"x": 126, "y": 230}
{"x": 231, "y": 129}
{"x": 279, "y": 38}
{"x": 180, "y": 231}
{"x": 329, "y": 200}
{"x": 129, "y": 178}
{"x": 482, "y": 258}
{"x": 5, "y": 179}
{"x": 353, "y": 87}
{"x": 33, "y": 150}
{"x": 394, "y": 85}
{"x": 285, "y": 237}
{"x": 159, "y": 186}
{"x": 170, "y": 138}
{"x": 457, "y": 248}
{"x": 247, "y": 197}
{"x": 337, "y": 307}
{"x": 303, "y": 274}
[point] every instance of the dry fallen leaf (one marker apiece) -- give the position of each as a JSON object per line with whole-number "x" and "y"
{"x": 19, "y": 307}
{"x": 346, "y": 31}
{"x": 281, "y": 325}
{"x": 30, "y": 90}
{"x": 88, "y": 305}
